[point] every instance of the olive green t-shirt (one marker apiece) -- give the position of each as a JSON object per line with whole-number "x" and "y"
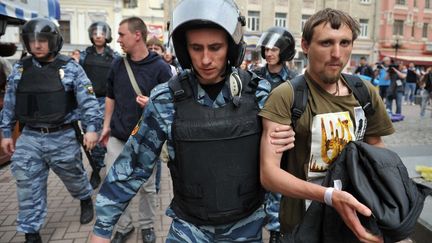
{"x": 328, "y": 123}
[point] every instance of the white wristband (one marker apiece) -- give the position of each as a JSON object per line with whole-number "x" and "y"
{"x": 328, "y": 196}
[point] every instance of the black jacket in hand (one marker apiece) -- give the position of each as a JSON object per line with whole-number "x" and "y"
{"x": 377, "y": 178}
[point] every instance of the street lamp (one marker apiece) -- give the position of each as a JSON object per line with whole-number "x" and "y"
{"x": 397, "y": 45}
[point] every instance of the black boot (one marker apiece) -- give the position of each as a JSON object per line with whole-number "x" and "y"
{"x": 148, "y": 235}
{"x": 95, "y": 178}
{"x": 274, "y": 237}
{"x": 33, "y": 238}
{"x": 86, "y": 211}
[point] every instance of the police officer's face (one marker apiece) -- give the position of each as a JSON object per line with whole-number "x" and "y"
{"x": 328, "y": 52}
{"x": 98, "y": 38}
{"x": 208, "y": 50}
{"x": 39, "y": 47}
{"x": 272, "y": 55}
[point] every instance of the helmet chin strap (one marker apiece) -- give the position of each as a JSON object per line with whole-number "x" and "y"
{"x": 48, "y": 58}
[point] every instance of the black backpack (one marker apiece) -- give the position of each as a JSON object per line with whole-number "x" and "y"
{"x": 301, "y": 94}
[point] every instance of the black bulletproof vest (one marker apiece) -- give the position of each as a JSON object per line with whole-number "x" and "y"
{"x": 97, "y": 68}
{"x": 216, "y": 168}
{"x": 40, "y": 95}
{"x": 262, "y": 73}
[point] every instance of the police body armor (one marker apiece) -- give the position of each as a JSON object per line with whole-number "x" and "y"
{"x": 40, "y": 95}
{"x": 97, "y": 68}
{"x": 216, "y": 168}
{"x": 262, "y": 73}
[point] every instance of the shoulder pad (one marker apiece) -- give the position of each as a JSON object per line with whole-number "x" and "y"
{"x": 160, "y": 90}
{"x": 26, "y": 61}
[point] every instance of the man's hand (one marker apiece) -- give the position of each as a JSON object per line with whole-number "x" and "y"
{"x": 97, "y": 239}
{"x": 283, "y": 138}
{"x": 8, "y": 146}
{"x": 142, "y": 100}
{"x": 90, "y": 140}
{"x": 104, "y": 137}
{"x": 347, "y": 207}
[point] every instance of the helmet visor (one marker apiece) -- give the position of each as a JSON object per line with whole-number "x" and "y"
{"x": 271, "y": 39}
{"x": 100, "y": 31}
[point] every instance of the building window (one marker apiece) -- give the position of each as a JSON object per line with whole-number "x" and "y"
{"x": 303, "y": 20}
{"x": 130, "y": 3}
{"x": 398, "y": 27}
{"x": 400, "y": 2}
{"x": 65, "y": 30}
{"x": 253, "y": 20}
{"x": 428, "y": 4}
{"x": 364, "y": 23}
{"x": 413, "y": 30}
{"x": 365, "y": 1}
{"x": 415, "y": 3}
{"x": 425, "y": 30}
{"x": 280, "y": 19}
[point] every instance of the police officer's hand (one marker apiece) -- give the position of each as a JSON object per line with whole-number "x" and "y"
{"x": 90, "y": 140}
{"x": 283, "y": 137}
{"x": 142, "y": 100}
{"x": 8, "y": 146}
{"x": 347, "y": 207}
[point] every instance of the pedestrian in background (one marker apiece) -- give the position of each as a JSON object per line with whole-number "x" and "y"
{"x": 126, "y": 98}
{"x": 327, "y": 41}
{"x": 412, "y": 78}
{"x": 210, "y": 108}
{"x": 48, "y": 92}
{"x": 425, "y": 86}
{"x": 395, "y": 91}
{"x": 96, "y": 61}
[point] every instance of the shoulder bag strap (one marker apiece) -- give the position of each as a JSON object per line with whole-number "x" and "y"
{"x": 132, "y": 77}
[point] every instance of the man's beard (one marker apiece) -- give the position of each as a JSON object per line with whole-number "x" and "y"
{"x": 331, "y": 79}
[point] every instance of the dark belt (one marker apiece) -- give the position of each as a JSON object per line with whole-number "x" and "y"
{"x": 50, "y": 129}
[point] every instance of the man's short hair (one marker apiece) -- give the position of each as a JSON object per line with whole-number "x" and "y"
{"x": 335, "y": 17}
{"x": 136, "y": 24}
{"x": 363, "y": 58}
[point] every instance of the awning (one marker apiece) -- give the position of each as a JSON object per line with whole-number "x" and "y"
{"x": 416, "y": 58}
{"x": 18, "y": 11}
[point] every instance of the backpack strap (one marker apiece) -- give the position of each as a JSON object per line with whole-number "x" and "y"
{"x": 361, "y": 93}
{"x": 301, "y": 94}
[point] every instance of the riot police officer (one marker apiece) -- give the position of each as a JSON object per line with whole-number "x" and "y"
{"x": 96, "y": 61}
{"x": 209, "y": 108}
{"x": 277, "y": 47}
{"x": 47, "y": 92}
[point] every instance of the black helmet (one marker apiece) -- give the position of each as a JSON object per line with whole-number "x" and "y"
{"x": 45, "y": 29}
{"x": 100, "y": 28}
{"x": 281, "y": 38}
{"x": 193, "y": 14}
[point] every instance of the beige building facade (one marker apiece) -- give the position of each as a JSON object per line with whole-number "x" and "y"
{"x": 76, "y": 16}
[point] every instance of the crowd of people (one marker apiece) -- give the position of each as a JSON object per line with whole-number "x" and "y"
{"x": 267, "y": 155}
{"x": 403, "y": 83}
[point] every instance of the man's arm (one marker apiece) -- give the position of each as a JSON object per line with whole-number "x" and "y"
{"x": 275, "y": 179}
{"x": 106, "y": 129}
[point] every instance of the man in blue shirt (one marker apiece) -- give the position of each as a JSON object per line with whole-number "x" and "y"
{"x": 48, "y": 93}
{"x": 208, "y": 116}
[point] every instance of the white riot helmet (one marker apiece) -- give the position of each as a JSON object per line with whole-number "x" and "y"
{"x": 196, "y": 14}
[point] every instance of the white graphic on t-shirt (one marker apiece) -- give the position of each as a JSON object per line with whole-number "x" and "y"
{"x": 330, "y": 133}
